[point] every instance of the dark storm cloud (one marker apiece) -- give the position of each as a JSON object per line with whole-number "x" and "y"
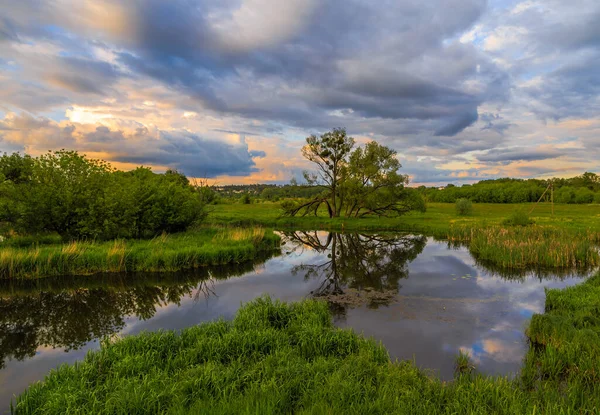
{"x": 189, "y": 153}
{"x": 393, "y": 70}
{"x": 385, "y": 61}
{"x": 459, "y": 123}
{"x": 257, "y": 154}
{"x": 494, "y": 122}
{"x": 82, "y": 75}
{"x": 313, "y": 58}
{"x": 196, "y": 157}
{"x": 571, "y": 90}
{"x": 583, "y": 32}
{"x": 8, "y": 31}
{"x": 105, "y": 135}
{"x": 518, "y": 154}
{"x": 565, "y": 39}
{"x": 431, "y": 176}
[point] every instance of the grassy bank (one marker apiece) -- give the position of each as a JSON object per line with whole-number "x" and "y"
{"x": 567, "y": 239}
{"x": 278, "y": 358}
{"x": 211, "y": 246}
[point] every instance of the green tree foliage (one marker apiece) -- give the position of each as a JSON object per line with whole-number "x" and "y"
{"x": 354, "y": 183}
{"x": 580, "y": 189}
{"x": 329, "y": 153}
{"x": 245, "y": 199}
{"x": 77, "y": 197}
{"x": 464, "y": 207}
{"x": 262, "y": 191}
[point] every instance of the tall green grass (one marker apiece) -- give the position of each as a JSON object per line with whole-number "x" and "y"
{"x": 163, "y": 253}
{"x": 530, "y": 247}
{"x": 276, "y": 358}
{"x": 566, "y": 343}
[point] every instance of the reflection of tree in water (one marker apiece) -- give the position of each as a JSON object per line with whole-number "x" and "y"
{"x": 359, "y": 268}
{"x": 69, "y": 312}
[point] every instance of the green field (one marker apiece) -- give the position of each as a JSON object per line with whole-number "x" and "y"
{"x": 437, "y": 220}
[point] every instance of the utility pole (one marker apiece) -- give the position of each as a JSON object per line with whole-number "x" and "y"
{"x": 552, "y": 196}
{"x": 551, "y": 188}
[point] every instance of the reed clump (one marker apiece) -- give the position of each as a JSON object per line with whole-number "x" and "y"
{"x": 520, "y": 247}
{"x": 163, "y": 253}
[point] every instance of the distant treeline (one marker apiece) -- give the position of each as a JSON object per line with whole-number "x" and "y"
{"x": 66, "y": 193}
{"x": 580, "y": 189}
{"x": 266, "y": 192}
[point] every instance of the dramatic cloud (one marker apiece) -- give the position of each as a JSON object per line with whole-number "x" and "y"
{"x": 187, "y": 152}
{"x": 463, "y": 89}
{"x": 517, "y": 154}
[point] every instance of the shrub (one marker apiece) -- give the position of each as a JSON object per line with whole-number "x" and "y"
{"x": 68, "y": 194}
{"x": 464, "y": 207}
{"x": 518, "y": 218}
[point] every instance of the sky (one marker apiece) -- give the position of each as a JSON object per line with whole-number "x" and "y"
{"x": 464, "y": 90}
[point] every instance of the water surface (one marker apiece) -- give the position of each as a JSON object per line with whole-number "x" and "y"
{"x": 423, "y": 299}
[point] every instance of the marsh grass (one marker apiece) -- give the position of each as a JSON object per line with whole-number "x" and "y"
{"x": 254, "y": 234}
{"x": 530, "y": 247}
{"x": 162, "y": 253}
{"x": 462, "y": 364}
{"x": 278, "y": 358}
{"x": 518, "y": 218}
{"x": 566, "y": 338}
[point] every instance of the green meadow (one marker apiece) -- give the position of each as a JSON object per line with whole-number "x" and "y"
{"x": 437, "y": 220}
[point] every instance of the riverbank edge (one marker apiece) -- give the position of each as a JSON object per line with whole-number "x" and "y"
{"x": 208, "y": 246}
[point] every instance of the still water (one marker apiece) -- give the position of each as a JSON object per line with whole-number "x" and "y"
{"x": 423, "y": 299}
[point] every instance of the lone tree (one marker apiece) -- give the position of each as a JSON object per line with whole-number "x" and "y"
{"x": 356, "y": 182}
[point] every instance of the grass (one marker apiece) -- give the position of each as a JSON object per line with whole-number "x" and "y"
{"x": 566, "y": 340}
{"x": 532, "y": 247}
{"x": 496, "y": 234}
{"x": 206, "y": 246}
{"x": 437, "y": 221}
{"x": 288, "y": 358}
{"x": 518, "y": 218}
